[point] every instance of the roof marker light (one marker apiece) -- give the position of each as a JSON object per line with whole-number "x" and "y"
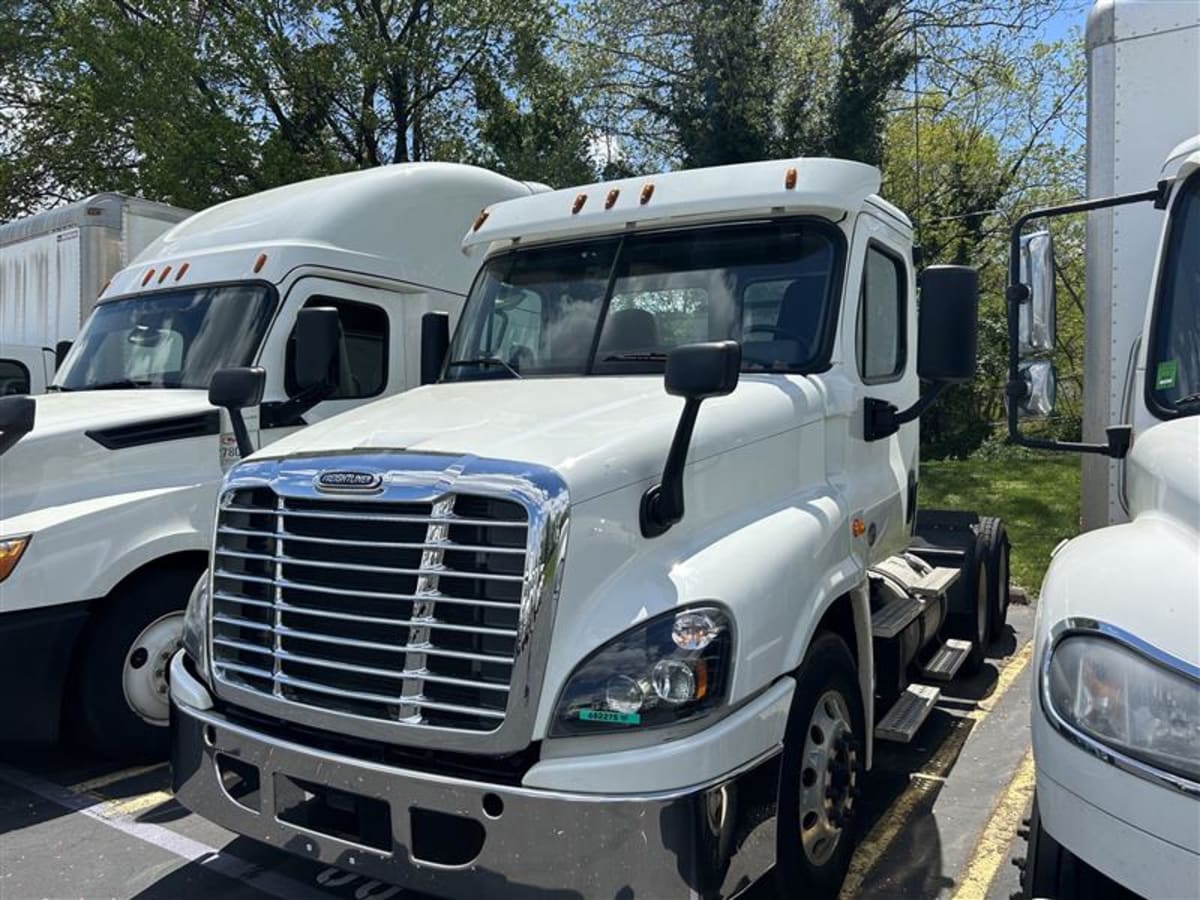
{"x": 480, "y": 219}
{"x": 580, "y": 199}
{"x": 612, "y": 198}
{"x": 163, "y": 275}
{"x": 146, "y": 278}
{"x": 647, "y": 192}
{"x": 789, "y": 180}
{"x": 182, "y": 270}
{"x": 105, "y": 288}
{"x": 260, "y": 262}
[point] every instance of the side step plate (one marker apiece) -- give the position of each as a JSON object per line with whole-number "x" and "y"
{"x": 936, "y": 582}
{"x": 903, "y": 719}
{"x": 891, "y": 618}
{"x": 947, "y": 660}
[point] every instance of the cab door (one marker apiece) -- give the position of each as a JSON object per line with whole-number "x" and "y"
{"x": 879, "y": 329}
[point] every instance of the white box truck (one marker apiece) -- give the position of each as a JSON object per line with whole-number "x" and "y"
{"x": 621, "y": 606}
{"x": 1116, "y": 695}
{"x": 53, "y": 266}
{"x": 108, "y": 481}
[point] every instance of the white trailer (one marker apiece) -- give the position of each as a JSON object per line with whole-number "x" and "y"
{"x": 53, "y": 266}
{"x": 1116, "y": 693}
{"x": 109, "y": 479}
{"x": 626, "y": 602}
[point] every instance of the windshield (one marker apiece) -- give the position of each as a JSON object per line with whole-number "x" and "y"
{"x": 1173, "y": 371}
{"x": 174, "y": 339}
{"x": 616, "y": 305}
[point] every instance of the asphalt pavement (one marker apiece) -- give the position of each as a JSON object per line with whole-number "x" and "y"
{"x": 940, "y": 819}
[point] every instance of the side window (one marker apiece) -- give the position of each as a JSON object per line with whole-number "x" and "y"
{"x": 14, "y": 378}
{"x": 364, "y": 357}
{"x": 879, "y": 334}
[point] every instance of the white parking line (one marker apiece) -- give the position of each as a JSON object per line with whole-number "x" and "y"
{"x": 272, "y": 883}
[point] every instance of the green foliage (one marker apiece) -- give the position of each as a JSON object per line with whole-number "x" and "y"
{"x": 1036, "y": 494}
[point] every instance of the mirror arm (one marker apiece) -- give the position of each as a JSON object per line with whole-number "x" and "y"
{"x": 1119, "y": 436}
{"x": 882, "y": 419}
{"x": 662, "y": 505}
{"x": 287, "y": 413}
{"x": 240, "y": 432}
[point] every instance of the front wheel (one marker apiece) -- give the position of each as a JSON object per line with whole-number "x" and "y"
{"x": 822, "y": 774}
{"x": 122, "y": 703}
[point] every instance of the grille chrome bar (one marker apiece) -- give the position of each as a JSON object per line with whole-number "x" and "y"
{"x": 377, "y": 517}
{"x": 370, "y": 696}
{"x": 392, "y": 673}
{"x": 387, "y": 545}
{"x": 358, "y": 567}
{"x": 343, "y": 592}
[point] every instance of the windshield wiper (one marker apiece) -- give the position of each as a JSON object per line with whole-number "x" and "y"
{"x": 646, "y": 356}
{"x": 484, "y": 361}
{"x": 1190, "y": 398}
{"x": 116, "y": 385}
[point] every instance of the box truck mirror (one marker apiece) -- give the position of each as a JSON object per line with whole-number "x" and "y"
{"x": 61, "y": 349}
{"x": 318, "y": 345}
{"x": 435, "y": 343}
{"x": 694, "y": 372}
{"x": 1041, "y": 389}
{"x": 1037, "y": 312}
{"x": 16, "y": 419}
{"x": 235, "y": 390}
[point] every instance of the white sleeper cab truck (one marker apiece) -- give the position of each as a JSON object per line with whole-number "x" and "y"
{"x": 53, "y": 266}
{"x": 108, "y": 482}
{"x": 620, "y": 606}
{"x": 1116, "y": 694}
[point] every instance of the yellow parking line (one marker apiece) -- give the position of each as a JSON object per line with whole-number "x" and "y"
{"x": 93, "y": 784}
{"x": 872, "y": 848}
{"x": 134, "y": 805}
{"x": 992, "y": 847}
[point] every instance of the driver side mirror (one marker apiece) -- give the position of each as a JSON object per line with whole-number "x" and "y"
{"x": 1036, "y": 315}
{"x": 318, "y": 342}
{"x": 949, "y": 322}
{"x": 235, "y": 390}
{"x": 16, "y": 419}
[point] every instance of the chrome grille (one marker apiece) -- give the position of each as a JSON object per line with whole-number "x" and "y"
{"x": 403, "y": 612}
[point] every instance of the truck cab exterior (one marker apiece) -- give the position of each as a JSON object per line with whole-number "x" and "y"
{"x": 451, "y": 640}
{"x": 106, "y": 504}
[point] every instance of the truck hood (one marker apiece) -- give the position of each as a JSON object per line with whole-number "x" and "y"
{"x": 1163, "y": 473}
{"x": 599, "y": 433}
{"x": 59, "y": 463}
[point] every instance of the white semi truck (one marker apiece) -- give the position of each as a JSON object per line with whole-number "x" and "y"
{"x": 1116, "y": 696}
{"x": 53, "y": 266}
{"x": 622, "y": 604}
{"x": 109, "y": 480}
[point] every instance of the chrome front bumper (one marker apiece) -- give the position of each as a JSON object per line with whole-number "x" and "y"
{"x": 462, "y": 839}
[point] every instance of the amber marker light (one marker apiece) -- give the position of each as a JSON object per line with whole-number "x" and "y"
{"x": 260, "y": 262}
{"x": 182, "y": 271}
{"x": 480, "y": 219}
{"x": 789, "y": 180}
{"x": 647, "y": 192}
{"x": 105, "y": 288}
{"x": 858, "y": 528}
{"x": 146, "y": 278}
{"x": 580, "y": 199}
{"x": 163, "y": 275}
{"x": 10, "y": 553}
{"x": 612, "y": 198}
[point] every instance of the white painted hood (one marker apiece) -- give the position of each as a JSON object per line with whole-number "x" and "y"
{"x": 600, "y": 433}
{"x": 1163, "y": 472}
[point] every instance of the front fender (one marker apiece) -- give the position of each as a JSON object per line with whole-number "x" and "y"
{"x": 80, "y": 551}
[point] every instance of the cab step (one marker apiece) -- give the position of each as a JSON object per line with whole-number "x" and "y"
{"x": 945, "y": 663}
{"x": 893, "y": 617}
{"x": 908, "y": 713}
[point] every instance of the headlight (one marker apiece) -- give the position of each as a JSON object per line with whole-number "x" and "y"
{"x": 666, "y": 670}
{"x": 10, "y": 554}
{"x": 195, "y": 626}
{"x": 1120, "y": 698}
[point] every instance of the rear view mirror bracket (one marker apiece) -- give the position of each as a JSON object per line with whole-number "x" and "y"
{"x": 234, "y": 390}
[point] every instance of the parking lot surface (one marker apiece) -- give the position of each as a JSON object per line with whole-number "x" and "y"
{"x": 941, "y": 815}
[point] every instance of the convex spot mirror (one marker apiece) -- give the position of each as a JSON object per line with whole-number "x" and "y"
{"x": 699, "y": 371}
{"x": 1036, "y": 315}
{"x": 318, "y": 339}
{"x": 1041, "y": 389}
{"x": 237, "y": 388}
{"x": 948, "y": 329}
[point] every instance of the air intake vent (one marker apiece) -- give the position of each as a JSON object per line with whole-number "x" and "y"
{"x": 175, "y": 428}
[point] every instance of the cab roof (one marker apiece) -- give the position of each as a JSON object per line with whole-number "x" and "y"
{"x": 389, "y": 221}
{"x": 828, "y": 187}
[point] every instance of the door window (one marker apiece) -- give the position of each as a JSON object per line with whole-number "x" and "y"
{"x": 363, "y": 367}
{"x": 879, "y": 334}
{"x": 14, "y": 378}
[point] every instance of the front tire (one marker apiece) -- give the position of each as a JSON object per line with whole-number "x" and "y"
{"x": 121, "y": 700}
{"x": 822, "y": 774}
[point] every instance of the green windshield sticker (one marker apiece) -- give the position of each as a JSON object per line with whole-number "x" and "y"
{"x": 1166, "y": 375}
{"x": 604, "y": 715}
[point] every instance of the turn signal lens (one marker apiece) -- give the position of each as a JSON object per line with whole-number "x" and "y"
{"x": 10, "y": 554}
{"x": 260, "y": 262}
{"x": 578, "y": 204}
{"x": 612, "y": 198}
{"x": 789, "y": 179}
{"x": 647, "y": 192}
{"x": 146, "y": 278}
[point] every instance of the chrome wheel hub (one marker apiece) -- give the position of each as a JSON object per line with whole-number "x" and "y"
{"x": 828, "y": 778}
{"x": 144, "y": 673}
